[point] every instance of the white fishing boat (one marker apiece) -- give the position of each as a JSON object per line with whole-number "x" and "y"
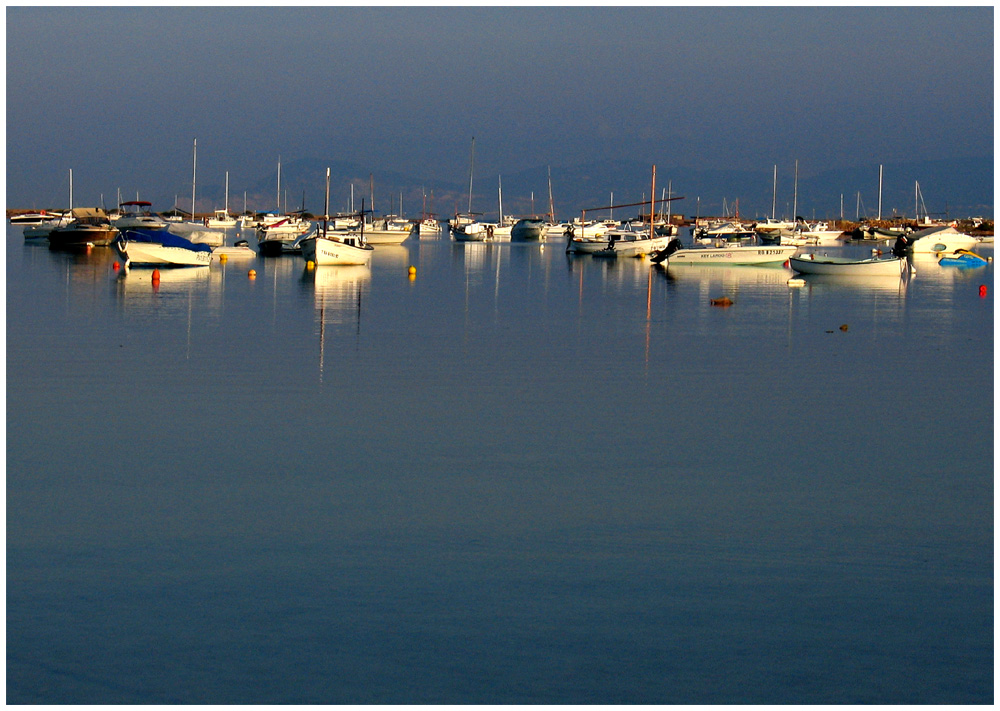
{"x": 325, "y": 247}
{"x": 943, "y": 238}
{"x": 334, "y": 249}
{"x": 160, "y": 248}
{"x": 843, "y": 266}
{"x": 730, "y": 254}
{"x": 428, "y": 227}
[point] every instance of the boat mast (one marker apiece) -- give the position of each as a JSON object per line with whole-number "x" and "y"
{"x": 500, "y": 201}
{"x": 774, "y": 192}
{"x": 472, "y": 164}
{"x": 552, "y": 211}
{"x": 652, "y": 203}
{"x": 795, "y": 198}
{"x": 279, "y": 185}
{"x": 194, "y": 176}
{"x": 611, "y": 215}
{"x": 880, "y": 191}
{"x": 326, "y": 202}
{"x": 71, "y": 190}
{"x": 227, "y": 193}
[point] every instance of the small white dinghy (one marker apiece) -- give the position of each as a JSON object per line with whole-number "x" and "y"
{"x": 842, "y": 266}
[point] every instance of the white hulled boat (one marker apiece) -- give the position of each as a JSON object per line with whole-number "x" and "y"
{"x": 146, "y": 247}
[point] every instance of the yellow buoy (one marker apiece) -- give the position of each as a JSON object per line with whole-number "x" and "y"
{"x": 310, "y": 264}
{"x": 223, "y": 258}
{"x": 252, "y": 274}
{"x": 412, "y": 271}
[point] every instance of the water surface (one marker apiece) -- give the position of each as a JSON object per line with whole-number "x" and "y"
{"x": 519, "y": 477}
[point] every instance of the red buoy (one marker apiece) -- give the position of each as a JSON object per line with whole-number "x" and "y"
{"x": 156, "y": 275}
{"x": 982, "y": 290}
{"x": 116, "y": 266}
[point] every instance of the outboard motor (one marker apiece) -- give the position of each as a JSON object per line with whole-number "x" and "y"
{"x": 672, "y": 246}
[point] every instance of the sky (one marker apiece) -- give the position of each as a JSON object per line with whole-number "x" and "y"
{"x": 119, "y": 94}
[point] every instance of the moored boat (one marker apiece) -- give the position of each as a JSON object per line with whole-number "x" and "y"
{"x": 528, "y": 229}
{"x": 327, "y": 247}
{"x": 843, "y": 266}
{"x": 942, "y": 238}
{"x": 136, "y": 214}
{"x": 730, "y": 254}
{"x": 144, "y": 247}
{"x": 963, "y": 258}
{"x": 90, "y": 226}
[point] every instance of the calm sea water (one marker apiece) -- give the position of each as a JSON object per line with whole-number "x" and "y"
{"x": 519, "y": 477}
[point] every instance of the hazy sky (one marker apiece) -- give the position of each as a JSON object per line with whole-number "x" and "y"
{"x": 118, "y": 94}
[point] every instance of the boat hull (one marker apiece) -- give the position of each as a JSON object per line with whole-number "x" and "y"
{"x": 632, "y": 247}
{"x": 769, "y": 254}
{"x": 323, "y": 251}
{"x": 815, "y": 264}
{"x": 69, "y": 237}
{"x": 387, "y": 236}
{"x": 527, "y": 231}
{"x": 151, "y": 253}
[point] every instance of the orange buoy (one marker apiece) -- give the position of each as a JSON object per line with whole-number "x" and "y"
{"x": 156, "y": 275}
{"x": 982, "y": 290}
{"x": 252, "y": 274}
{"x": 116, "y": 266}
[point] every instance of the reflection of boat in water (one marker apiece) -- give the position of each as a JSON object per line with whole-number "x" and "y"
{"x": 728, "y": 276}
{"x": 338, "y": 293}
{"x": 846, "y": 267}
{"x": 868, "y": 284}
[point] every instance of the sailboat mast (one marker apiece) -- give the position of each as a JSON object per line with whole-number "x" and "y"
{"x": 795, "y": 198}
{"x": 194, "y": 176}
{"x": 880, "y": 191}
{"x": 472, "y": 167}
{"x": 227, "y": 193}
{"x": 71, "y": 190}
{"x": 279, "y": 185}
{"x": 774, "y": 192}
{"x": 552, "y": 210}
{"x": 499, "y": 201}
{"x": 652, "y": 203}
{"x": 326, "y": 202}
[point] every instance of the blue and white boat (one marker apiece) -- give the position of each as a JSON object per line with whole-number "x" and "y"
{"x": 160, "y": 248}
{"x": 963, "y": 258}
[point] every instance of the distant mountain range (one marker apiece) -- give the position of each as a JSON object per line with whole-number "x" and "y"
{"x": 947, "y": 188}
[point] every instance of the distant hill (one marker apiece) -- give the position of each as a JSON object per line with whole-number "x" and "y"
{"x": 949, "y": 188}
